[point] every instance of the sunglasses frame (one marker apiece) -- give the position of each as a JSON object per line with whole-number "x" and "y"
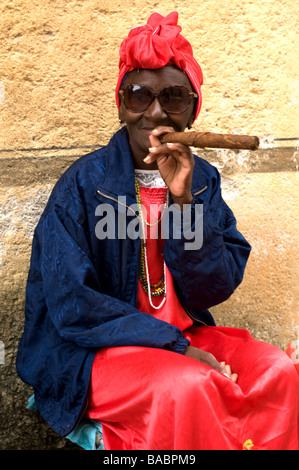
{"x": 156, "y": 95}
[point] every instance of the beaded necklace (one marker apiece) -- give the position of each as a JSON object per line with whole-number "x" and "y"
{"x": 153, "y": 290}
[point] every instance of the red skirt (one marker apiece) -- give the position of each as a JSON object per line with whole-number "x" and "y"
{"x": 154, "y": 399}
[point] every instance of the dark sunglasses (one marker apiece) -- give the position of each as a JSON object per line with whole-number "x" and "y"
{"x": 173, "y": 99}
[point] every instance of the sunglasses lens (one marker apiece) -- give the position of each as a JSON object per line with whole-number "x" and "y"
{"x": 137, "y": 98}
{"x": 175, "y": 99}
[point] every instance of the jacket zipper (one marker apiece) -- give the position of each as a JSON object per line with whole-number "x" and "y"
{"x": 118, "y": 202}
{"x": 200, "y": 191}
{"x": 191, "y": 316}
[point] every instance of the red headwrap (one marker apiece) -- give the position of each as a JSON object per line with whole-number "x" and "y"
{"x": 155, "y": 45}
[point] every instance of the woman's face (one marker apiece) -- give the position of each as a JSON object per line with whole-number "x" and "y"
{"x": 140, "y": 125}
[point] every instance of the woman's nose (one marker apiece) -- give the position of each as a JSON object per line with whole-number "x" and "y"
{"x": 155, "y": 111}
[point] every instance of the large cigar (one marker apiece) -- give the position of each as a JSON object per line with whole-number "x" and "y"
{"x": 211, "y": 140}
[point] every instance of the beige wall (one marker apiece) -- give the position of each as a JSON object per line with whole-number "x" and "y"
{"x": 58, "y": 70}
{"x": 59, "y": 63}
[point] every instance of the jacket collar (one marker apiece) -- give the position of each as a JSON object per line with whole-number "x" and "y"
{"x": 119, "y": 175}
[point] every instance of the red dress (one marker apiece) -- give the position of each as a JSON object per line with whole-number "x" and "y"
{"x": 154, "y": 399}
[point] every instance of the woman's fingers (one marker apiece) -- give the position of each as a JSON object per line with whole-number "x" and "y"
{"x": 210, "y": 360}
{"x": 234, "y": 377}
{"x": 228, "y": 372}
{"x": 154, "y": 139}
{"x": 177, "y": 150}
{"x": 156, "y": 143}
{"x": 155, "y": 152}
{"x": 203, "y": 357}
{"x": 160, "y": 130}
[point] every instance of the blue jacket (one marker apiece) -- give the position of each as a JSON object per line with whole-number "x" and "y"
{"x": 81, "y": 290}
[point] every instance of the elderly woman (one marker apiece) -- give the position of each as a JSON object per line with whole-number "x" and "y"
{"x": 117, "y": 326}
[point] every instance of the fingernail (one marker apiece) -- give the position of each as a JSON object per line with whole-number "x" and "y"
{"x": 155, "y": 131}
{"x": 152, "y": 149}
{"x": 146, "y": 159}
{"x": 170, "y": 145}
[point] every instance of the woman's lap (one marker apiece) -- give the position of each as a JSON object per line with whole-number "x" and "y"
{"x": 151, "y": 399}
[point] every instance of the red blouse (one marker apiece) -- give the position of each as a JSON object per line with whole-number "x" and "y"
{"x": 172, "y": 312}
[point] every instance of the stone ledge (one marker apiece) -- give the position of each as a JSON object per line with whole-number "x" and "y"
{"x": 270, "y": 160}
{"x": 26, "y": 170}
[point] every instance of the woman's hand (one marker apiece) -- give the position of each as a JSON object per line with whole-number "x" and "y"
{"x": 207, "y": 358}
{"x": 228, "y": 372}
{"x": 175, "y": 163}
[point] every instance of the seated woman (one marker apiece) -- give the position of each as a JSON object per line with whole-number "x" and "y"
{"x": 117, "y": 324}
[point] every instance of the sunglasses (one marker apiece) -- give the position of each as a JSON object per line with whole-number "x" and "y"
{"x": 173, "y": 99}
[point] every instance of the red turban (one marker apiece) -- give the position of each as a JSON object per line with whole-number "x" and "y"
{"x": 155, "y": 45}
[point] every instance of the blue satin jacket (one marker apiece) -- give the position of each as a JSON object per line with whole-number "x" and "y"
{"x": 82, "y": 290}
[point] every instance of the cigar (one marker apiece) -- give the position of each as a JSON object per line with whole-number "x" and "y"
{"x": 211, "y": 140}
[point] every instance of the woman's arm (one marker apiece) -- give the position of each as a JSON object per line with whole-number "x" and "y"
{"x": 79, "y": 310}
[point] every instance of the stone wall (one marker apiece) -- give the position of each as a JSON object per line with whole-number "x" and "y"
{"x": 58, "y": 70}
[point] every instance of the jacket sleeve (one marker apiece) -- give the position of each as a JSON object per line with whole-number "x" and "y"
{"x": 80, "y": 312}
{"x": 207, "y": 272}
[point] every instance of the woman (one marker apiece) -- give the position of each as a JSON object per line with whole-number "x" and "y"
{"x": 117, "y": 325}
